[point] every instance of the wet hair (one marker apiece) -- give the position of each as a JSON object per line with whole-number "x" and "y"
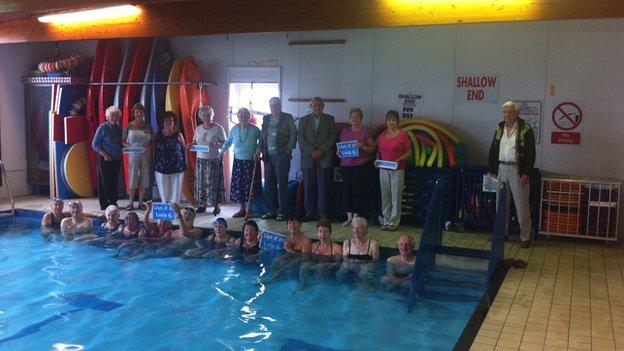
{"x": 138, "y": 106}
{"x": 392, "y": 114}
{"x": 206, "y": 111}
{"x": 294, "y": 218}
{"x": 221, "y": 221}
{"x": 325, "y": 223}
{"x": 251, "y": 223}
{"x": 75, "y": 203}
{"x": 356, "y": 110}
{"x": 409, "y": 239}
{"x": 55, "y": 200}
{"x": 189, "y": 208}
{"x": 133, "y": 215}
{"x": 360, "y": 219}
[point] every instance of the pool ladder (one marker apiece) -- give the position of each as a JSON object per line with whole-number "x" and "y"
{"x": 11, "y": 199}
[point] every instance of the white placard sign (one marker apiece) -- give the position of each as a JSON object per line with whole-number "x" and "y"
{"x": 478, "y": 87}
{"x": 409, "y": 104}
{"x": 531, "y": 112}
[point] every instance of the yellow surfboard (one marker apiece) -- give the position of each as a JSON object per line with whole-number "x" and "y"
{"x": 172, "y": 96}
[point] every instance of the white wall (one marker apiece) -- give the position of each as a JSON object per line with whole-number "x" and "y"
{"x": 581, "y": 59}
{"x": 15, "y": 61}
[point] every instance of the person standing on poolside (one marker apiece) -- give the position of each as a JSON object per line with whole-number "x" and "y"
{"x": 138, "y": 133}
{"x": 511, "y": 159}
{"x": 277, "y": 140}
{"x": 394, "y": 145}
{"x": 107, "y": 143}
{"x": 245, "y": 138}
{"x": 317, "y": 137}
{"x": 169, "y": 159}
{"x": 209, "y": 184}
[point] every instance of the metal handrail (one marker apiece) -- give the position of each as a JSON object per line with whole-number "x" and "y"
{"x": 6, "y": 181}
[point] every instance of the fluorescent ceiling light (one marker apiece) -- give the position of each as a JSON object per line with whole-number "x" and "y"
{"x": 106, "y": 13}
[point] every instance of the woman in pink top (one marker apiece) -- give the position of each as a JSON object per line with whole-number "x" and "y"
{"x": 353, "y": 168}
{"x": 394, "y": 145}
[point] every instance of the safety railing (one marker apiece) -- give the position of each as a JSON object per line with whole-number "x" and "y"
{"x": 8, "y": 186}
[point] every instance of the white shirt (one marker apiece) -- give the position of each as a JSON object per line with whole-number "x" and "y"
{"x": 507, "y": 150}
{"x": 203, "y": 136}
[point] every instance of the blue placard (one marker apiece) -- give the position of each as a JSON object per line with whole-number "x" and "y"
{"x": 200, "y": 148}
{"x": 162, "y": 210}
{"x": 272, "y": 241}
{"x": 386, "y": 164}
{"x": 133, "y": 150}
{"x": 348, "y": 149}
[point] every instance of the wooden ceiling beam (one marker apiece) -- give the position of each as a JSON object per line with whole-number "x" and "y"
{"x": 177, "y": 18}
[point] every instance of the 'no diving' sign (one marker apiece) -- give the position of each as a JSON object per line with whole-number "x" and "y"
{"x": 566, "y": 116}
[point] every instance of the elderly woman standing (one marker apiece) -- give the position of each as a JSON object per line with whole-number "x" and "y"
{"x": 394, "y": 145}
{"x": 169, "y": 159}
{"x": 138, "y": 133}
{"x": 353, "y": 169}
{"x": 107, "y": 143}
{"x": 245, "y": 138}
{"x": 209, "y": 186}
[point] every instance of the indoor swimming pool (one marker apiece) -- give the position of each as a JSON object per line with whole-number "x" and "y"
{"x": 63, "y": 295}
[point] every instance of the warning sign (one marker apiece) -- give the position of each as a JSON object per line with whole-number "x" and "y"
{"x": 567, "y": 117}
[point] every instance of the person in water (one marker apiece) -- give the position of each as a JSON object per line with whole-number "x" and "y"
{"x": 155, "y": 231}
{"x": 325, "y": 255}
{"x": 249, "y": 244}
{"x": 53, "y": 218}
{"x": 78, "y": 223}
{"x": 216, "y": 244}
{"x": 399, "y": 268}
{"x": 186, "y": 234}
{"x": 109, "y": 226}
{"x": 130, "y": 231}
{"x": 359, "y": 252}
{"x": 298, "y": 248}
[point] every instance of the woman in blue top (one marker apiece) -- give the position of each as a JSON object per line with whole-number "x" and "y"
{"x": 107, "y": 143}
{"x": 245, "y": 138}
{"x": 169, "y": 159}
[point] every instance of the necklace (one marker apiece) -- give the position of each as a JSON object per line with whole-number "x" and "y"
{"x": 240, "y": 134}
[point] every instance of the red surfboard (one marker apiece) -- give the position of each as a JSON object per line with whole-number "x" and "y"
{"x": 92, "y": 105}
{"x": 111, "y": 65}
{"x": 191, "y": 99}
{"x": 133, "y": 92}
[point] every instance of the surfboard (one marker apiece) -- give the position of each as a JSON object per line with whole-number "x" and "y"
{"x": 146, "y": 100}
{"x": 122, "y": 76}
{"x": 111, "y": 66}
{"x": 172, "y": 95}
{"x": 132, "y": 94}
{"x": 76, "y": 176}
{"x": 191, "y": 99}
{"x": 162, "y": 68}
{"x": 92, "y": 118}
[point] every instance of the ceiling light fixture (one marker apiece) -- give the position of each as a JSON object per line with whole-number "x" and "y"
{"x": 105, "y": 13}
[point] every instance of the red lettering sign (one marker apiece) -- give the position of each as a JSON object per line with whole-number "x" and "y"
{"x": 565, "y": 138}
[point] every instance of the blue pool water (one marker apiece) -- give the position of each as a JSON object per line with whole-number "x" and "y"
{"x": 59, "y": 295}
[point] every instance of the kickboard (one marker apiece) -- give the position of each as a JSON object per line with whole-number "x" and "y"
{"x": 77, "y": 177}
{"x": 63, "y": 191}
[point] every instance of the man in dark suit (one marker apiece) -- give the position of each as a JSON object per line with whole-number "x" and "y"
{"x": 317, "y": 137}
{"x": 277, "y": 140}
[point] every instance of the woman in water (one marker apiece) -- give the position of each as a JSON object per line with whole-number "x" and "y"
{"x": 325, "y": 255}
{"x": 52, "y": 219}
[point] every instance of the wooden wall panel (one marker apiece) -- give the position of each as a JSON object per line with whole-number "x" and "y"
{"x": 174, "y": 18}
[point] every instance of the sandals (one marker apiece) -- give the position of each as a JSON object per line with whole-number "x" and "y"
{"x": 392, "y": 228}
{"x": 142, "y": 207}
{"x": 130, "y": 207}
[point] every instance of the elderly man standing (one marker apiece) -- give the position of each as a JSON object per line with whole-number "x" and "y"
{"x": 512, "y": 157}
{"x": 277, "y": 140}
{"x": 317, "y": 137}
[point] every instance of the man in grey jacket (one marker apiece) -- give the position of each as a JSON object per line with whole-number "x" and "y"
{"x": 277, "y": 140}
{"x": 317, "y": 137}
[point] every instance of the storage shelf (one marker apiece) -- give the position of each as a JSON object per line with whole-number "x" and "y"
{"x": 579, "y": 208}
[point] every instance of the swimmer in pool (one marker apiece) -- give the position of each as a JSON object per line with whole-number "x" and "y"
{"x": 399, "y": 268}
{"x": 326, "y": 255}
{"x": 78, "y": 223}
{"x": 298, "y": 248}
{"x": 52, "y": 220}
{"x": 155, "y": 232}
{"x": 359, "y": 253}
{"x": 130, "y": 231}
{"x": 249, "y": 244}
{"x": 111, "y": 225}
{"x": 216, "y": 245}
